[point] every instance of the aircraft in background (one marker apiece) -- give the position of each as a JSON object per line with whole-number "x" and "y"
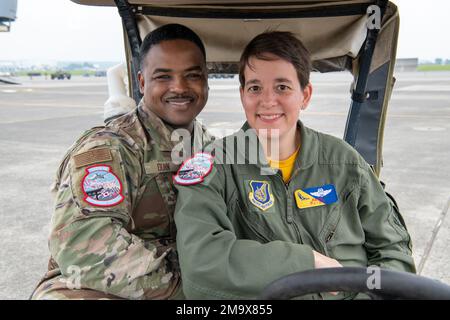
{"x": 8, "y": 10}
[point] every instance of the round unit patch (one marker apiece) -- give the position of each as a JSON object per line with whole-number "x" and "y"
{"x": 101, "y": 187}
{"x": 194, "y": 170}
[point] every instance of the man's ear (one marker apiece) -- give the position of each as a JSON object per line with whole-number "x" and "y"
{"x": 307, "y": 93}
{"x": 141, "y": 81}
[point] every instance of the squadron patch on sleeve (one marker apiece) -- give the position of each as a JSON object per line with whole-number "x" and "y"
{"x": 194, "y": 170}
{"x": 101, "y": 187}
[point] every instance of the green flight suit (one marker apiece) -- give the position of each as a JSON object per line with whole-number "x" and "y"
{"x": 230, "y": 248}
{"x": 113, "y": 232}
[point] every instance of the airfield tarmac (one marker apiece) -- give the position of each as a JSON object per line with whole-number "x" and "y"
{"x": 40, "y": 119}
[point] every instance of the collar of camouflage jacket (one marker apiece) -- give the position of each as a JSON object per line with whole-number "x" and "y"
{"x": 165, "y": 136}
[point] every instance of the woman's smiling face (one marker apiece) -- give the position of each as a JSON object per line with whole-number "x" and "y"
{"x": 272, "y": 95}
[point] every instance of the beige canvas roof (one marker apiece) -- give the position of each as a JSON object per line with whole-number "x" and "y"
{"x": 226, "y": 39}
{"x": 333, "y": 42}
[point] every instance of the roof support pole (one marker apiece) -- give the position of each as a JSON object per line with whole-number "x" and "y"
{"x": 359, "y": 93}
{"x": 127, "y": 13}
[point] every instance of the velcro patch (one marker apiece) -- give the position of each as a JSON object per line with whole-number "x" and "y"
{"x": 260, "y": 196}
{"x": 194, "y": 170}
{"x": 316, "y": 196}
{"x": 154, "y": 167}
{"x": 101, "y": 187}
{"x": 92, "y": 156}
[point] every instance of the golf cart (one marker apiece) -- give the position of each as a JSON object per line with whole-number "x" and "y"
{"x": 359, "y": 36}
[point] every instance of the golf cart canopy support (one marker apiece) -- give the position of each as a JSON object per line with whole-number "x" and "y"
{"x": 339, "y": 35}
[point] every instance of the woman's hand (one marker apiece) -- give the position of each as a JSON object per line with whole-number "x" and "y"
{"x": 321, "y": 261}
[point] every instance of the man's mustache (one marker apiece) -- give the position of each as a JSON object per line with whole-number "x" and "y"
{"x": 181, "y": 97}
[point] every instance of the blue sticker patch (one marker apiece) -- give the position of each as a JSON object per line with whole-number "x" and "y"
{"x": 316, "y": 196}
{"x": 260, "y": 195}
{"x": 101, "y": 187}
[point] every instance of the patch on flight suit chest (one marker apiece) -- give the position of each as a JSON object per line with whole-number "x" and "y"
{"x": 316, "y": 196}
{"x": 260, "y": 195}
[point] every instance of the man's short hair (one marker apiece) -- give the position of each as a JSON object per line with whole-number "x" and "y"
{"x": 284, "y": 45}
{"x": 172, "y": 31}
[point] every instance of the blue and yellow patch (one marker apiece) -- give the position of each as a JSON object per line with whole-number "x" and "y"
{"x": 316, "y": 196}
{"x": 260, "y": 195}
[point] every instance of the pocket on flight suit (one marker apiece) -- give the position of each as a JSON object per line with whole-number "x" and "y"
{"x": 256, "y": 211}
{"x": 338, "y": 233}
{"x": 342, "y": 234}
{"x": 247, "y": 227}
{"x": 398, "y": 222}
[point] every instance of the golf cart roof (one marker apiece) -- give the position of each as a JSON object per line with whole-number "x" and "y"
{"x": 331, "y": 30}
{"x": 355, "y": 35}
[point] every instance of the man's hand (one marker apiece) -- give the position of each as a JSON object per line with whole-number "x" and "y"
{"x": 321, "y": 261}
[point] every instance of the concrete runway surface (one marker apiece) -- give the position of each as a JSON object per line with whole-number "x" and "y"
{"x": 40, "y": 119}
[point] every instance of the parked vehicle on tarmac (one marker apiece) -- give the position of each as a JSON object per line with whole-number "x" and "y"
{"x": 60, "y": 75}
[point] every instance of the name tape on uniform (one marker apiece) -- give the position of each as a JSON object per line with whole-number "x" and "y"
{"x": 155, "y": 166}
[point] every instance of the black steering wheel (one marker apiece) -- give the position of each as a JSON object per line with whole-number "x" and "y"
{"x": 390, "y": 285}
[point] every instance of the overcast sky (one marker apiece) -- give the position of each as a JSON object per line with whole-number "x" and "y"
{"x": 49, "y": 30}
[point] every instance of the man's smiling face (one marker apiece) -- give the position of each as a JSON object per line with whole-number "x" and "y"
{"x": 173, "y": 81}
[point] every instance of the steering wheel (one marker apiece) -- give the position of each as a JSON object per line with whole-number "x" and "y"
{"x": 388, "y": 284}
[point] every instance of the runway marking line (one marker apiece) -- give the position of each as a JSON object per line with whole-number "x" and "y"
{"x": 434, "y": 234}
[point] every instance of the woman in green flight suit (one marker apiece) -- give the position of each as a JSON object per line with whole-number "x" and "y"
{"x": 308, "y": 201}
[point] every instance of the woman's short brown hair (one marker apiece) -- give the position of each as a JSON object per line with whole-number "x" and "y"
{"x": 281, "y": 44}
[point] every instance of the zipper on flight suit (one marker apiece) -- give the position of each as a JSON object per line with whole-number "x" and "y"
{"x": 330, "y": 235}
{"x": 290, "y": 221}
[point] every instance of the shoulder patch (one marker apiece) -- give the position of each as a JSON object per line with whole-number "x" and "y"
{"x": 92, "y": 156}
{"x": 101, "y": 187}
{"x": 194, "y": 170}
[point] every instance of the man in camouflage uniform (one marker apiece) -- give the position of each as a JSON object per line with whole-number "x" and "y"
{"x": 113, "y": 232}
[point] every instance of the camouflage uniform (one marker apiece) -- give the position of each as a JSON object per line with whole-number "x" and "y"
{"x": 123, "y": 247}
